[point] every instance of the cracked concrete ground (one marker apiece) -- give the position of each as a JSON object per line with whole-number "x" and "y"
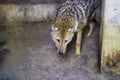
{"x": 27, "y": 52}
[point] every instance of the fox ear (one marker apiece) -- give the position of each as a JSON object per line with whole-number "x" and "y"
{"x": 71, "y": 29}
{"x": 54, "y": 28}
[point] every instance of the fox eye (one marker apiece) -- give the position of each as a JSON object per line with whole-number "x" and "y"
{"x": 66, "y": 41}
{"x": 58, "y": 40}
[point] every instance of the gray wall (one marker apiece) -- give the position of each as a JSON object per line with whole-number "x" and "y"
{"x": 31, "y": 1}
{"x": 28, "y": 10}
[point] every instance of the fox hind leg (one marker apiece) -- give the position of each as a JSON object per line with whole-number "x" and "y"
{"x": 97, "y": 16}
{"x": 91, "y": 25}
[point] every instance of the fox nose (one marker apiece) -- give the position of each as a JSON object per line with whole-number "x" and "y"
{"x": 60, "y": 53}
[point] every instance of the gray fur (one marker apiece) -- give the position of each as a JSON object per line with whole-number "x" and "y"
{"x": 79, "y": 9}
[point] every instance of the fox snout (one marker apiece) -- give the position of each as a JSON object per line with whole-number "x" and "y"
{"x": 62, "y": 50}
{"x": 62, "y": 41}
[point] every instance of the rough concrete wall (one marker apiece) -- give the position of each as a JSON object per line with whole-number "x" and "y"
{"x": 31, "y": 1}
{"x": 27, "y": 13}
{"x": 28, "y": 10}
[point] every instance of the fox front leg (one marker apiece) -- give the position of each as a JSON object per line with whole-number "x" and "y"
{"x": 78, "y": 44}
{"x": 79, "y": 38}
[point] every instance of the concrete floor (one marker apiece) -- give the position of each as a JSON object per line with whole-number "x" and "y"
{"x": 27, "y": 52}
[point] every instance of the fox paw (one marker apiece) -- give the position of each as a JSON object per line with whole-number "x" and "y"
{"x": 77, "y": 55}
{"x": 88, "y": 35}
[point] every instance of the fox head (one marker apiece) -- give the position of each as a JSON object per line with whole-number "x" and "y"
{"x": 62, "y": 34}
